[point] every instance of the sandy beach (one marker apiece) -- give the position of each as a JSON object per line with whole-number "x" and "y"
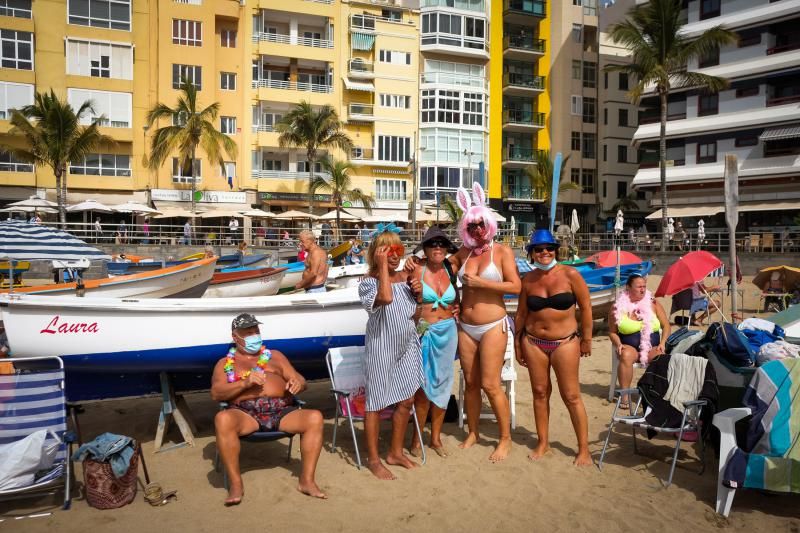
{"x": 464, "y": 492}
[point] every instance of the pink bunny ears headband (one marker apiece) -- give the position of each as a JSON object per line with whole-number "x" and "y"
{"x": 475, "y": 210}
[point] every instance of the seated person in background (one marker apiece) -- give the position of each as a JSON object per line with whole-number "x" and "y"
{"x": 259, "y": 386}
{"x": 700, "y": 303}
{"x": 355, "y": 256}
{"x": 775, "y": 285}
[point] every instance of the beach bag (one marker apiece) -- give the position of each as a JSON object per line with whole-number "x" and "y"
{"x": 24, "y": 458}
{"x": 731, "y": 345}
{"x": 106, "y": 491}
{"x": 358, "y": 405}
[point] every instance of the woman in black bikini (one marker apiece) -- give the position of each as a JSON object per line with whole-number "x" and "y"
{"x": 548, "y": 335}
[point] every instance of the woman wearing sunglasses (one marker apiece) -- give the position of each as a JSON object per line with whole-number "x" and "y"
{"x": 548, "y": 335}
{"x": 393, "y": 363}
{"x": 438, "y": 335}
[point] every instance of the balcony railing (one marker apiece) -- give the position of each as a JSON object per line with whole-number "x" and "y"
{"x": 285, "y": 174}
{"x": 113, "y": 123}
{"x": 459, "y": 41}
{"x": 263, "y": 127}
{"x": 525, "y": 43}
{"x": 536, "y": 8}
{"x": 367, "y": 22}
{"x": 6, "y": 166}
{"x": 783, "y": 48}
{"x": 465, "y": 5}
{"x": 652, "y": 119}
{"x": 525, "y": 81}
{"x": 649, "y": 162}
{"x": 783, "y": 100}
{"x": 448, "y": 78}
{"x": 17, "y": 12}
{"x": 523, "y": 117}
{"x": 361, "y": 154}
{"x": 292, "y": 86}
{"x": 287, "y": 39}
{"x": 520, "y": 192}
{"x": 365, "y": 110}
{"x": 356, "y": 67}
{"x": 521, "y": 155}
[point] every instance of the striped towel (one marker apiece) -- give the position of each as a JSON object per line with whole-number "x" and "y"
{"x": 770, "y": 459}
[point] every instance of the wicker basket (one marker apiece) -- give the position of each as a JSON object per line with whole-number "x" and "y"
{"x": 106, "y": 491}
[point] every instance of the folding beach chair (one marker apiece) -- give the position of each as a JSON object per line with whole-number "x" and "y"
{"x": 32, "y": 400}
{"x": 346, "y": 370}
{"x": 612, "y": 387}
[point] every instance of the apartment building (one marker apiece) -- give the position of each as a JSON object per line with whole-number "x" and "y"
{"x": 757, "y": 118}
{"x": 520, "y": 104}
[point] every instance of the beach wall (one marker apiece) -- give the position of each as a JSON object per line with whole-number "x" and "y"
{"x": 750, "y": 262}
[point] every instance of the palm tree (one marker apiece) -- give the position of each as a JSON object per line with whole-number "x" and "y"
{"x": 188, "y": 129}
{"x": 450, "y": 207}
{"x": 626, "y": 203}
{"x": 313, "y": 130}
{"x": 340, "y": 186}
{"x": 541, "y": 176}
{"x": 54, "y": 137}
{"x": 653, "y": 32}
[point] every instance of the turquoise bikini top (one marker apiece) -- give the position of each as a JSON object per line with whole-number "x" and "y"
{"x": 429, "y": 295}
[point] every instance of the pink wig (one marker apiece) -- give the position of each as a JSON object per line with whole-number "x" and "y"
{"x": 475, "y": 213}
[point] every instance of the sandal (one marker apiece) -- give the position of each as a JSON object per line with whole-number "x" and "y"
{"x": 155, "y": 496}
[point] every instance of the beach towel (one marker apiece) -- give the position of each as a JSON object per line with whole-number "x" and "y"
{"x": 779, "y": 349}
{"x": 770, "y": 457}
{"x": 439, "y": 344}
{"x": 764, "y": 325}
{"x": 685, "y": 375}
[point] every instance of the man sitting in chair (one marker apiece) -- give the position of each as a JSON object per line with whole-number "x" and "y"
{"x": 259, "y": 386}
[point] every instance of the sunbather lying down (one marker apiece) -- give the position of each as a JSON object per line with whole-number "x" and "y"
{"x": 259, "y": 386}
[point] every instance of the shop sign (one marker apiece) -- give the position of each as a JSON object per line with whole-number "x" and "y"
{"x": 521, "y": 207}
{"x": 208, "y": 197}
{"x": 292, "y": 196}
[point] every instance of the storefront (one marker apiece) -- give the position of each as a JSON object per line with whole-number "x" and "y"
{"x": 293, "y": 200}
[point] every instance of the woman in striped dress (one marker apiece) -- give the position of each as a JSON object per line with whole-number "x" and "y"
{"x": 394, "y": 360}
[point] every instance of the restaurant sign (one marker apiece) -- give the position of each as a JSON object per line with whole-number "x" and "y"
{"x": 292, "y": 196}
{"x": 521, "y": 207}
{"x": 208, "y": 197}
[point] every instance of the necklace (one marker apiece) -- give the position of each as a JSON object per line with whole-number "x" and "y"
{"x": 263, "y": 357}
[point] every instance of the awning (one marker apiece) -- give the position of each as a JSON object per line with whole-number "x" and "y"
{"x": 791, "y": 131}
{"x": 362, "y": 41}
{"x": 688, "y": 211}
{"x": 359, "y": 86}
{"x": 770, "y": 206}
{"x": 163, "y": 205}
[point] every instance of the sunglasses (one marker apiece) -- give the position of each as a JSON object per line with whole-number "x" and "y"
{"x": 436, "y": 243}
{"x": 472, "y": 226}
{"x": 541, "y": 249}
{"x": 397, "y": 249}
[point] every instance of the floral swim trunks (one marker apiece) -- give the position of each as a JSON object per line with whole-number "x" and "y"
{"x": 267, "y": 411}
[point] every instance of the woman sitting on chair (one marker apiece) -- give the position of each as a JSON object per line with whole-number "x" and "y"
{"x": 638, "y": 328}
{"x": 700, "y": 303}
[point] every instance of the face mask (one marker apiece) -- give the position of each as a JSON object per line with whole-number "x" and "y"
{"x": 252, "y": 343}
{"x": 546, "y": 267}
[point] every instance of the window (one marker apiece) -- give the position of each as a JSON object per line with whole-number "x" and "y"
{"x": 227, "y": 81}
{"x": 623, "y": 81}
{"x": 187, "y": 32}
{"x": 392, "y": 14}
{"x": 576, "y": 69}
{"x": 605, "y": 152}
{"x": 576, "y": 104}
{"x": 390, "y": 189}
{"x": 17, "y": 49}
{"x": 394, "y": 57}
{"x": 707, "y": 104}
{"x": 453, "y": 107}
{"x": 622, "y": 189}
{"x": 749, "y": 38}
{"x": 182, "y": 172}
{"x": 9, "y": 163}
{"x": 576, "y": 140}
{"x": 302, "y": 166}
{"x": 102, "y": 165}
{"x": 589, "y": 74}
{"x": 576, "y": 2}
{"x": 605, "y": 116}
{"x": 589, "y": 145}
{"x": 710, "y": 59}
{"x": 15, "y": 8}
{"x": 605, "y": 80}
{"x": 113, "y": 14}
{"x": 707, "y": 152}
{"x": 589, "y": 110}
{"x": 605, "y": 188}
{"x": 622, "y": 154}
{"x": 399, "y": 101}
{"x": 228, "y": 125}
{"x": 623, "y": 117}
{"x": 191, "y": 73}
{"x": 111, "y": 109}
{"x": 14, "y": 96}
{"x": 179, "y": 119}
{"x": 99, "y": 59}
{"x": 577, "y": 33}
{"x": 575, "y": 175}
{"x": 747, "y": 91}
{"x": 709, "y": 9}
{"x": 394, "y": 148}
{"x": 227, "y": 38}
{"x": 748, "y": 140}
{"x": 228, "y": 170}
{"x": 588, "y": 179}
{"x": 473, "y": 109}
{"x": 590, "y": 8}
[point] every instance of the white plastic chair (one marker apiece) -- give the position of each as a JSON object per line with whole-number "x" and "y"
{"x": 346, "y": 370}
{"x": 508, "y": 376}
{"x": 726, "y": 423}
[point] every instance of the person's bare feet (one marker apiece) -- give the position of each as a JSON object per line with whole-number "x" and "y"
{"x": 440, "y": 450}
{"x": 501, "y": 451}
{"x": 415, "y": 451}
{"x": 470, "y": 441}
{"x": 380, "y": 471}
{"x": 235, "y": 495}
{"x": 583, "y": 458}
{"x": 539, "y": 451}
{"x": 400, "y": 460}
{"x": 310, "y": 488}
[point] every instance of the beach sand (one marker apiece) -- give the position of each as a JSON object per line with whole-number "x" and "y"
{"x": 464, "y": 492}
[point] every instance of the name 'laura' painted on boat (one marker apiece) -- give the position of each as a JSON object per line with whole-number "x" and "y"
{"x": 69, "y": 327}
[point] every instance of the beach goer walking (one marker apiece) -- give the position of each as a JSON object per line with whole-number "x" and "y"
{"x": 146, "y": 232}
{"x": 187, "y": 233}
{"x": 98, "y": 230}
{"x": 233, "y": 228}
{"x": 638, "y": 328}
{"x": 122, "y": 231}
{"x": 548, "y": 335}
{"x": 393, "y": 361}
{"x": 260, "y": 387}
{"x": 438, "y": 332}
{"x": 316, "y": 273}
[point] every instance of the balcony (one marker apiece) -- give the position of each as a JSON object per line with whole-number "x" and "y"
{"x": 286, "y": 174}
{"x": 357, "y": 68}
{"x": 361, "y": 112}
{"x": 516, "y": 83}
{"x": 268, "y": 128}
{"x": 455, "y": 44}
{"x": 787, "y": 99}
{"x": 449, "y": 78}
{"x": 366, "y": 156}
{"x": 525, "y": 8}
{"x": 463, "y": 5}
{"x": 287, "y": 39}
{"x": 783, "y": 48}
{"x": 523, "y": 46}
{"x": 522, "y": 120}
{"x": 361, "y": 154}
{"x": 514, "y": 156}
{"x": 391, "y": 196}
{"x": 292, "y": 86}
{"x": 519, "y": 192}
{"x": 367, "y": 23}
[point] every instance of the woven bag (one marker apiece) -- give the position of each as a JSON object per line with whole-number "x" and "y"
{"x": 104, "y": 490}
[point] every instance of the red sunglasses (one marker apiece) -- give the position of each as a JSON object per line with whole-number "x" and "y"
{"x": 397, "y": 249}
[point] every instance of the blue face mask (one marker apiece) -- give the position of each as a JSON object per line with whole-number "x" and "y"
{"x": 546, "y": 267}
{"x": 252, "y": 343}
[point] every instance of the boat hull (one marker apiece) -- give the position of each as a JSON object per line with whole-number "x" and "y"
{"x": 266, "y": 283}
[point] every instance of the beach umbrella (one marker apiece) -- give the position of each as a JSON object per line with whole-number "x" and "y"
{"x": 574, "y": 224}
{"x": 608, "y": 258}
{"x": 24, "y": 209}
{"x": 221, "y": 213}
{"x": 22, "y": 241}
{"x": 619, "y": 223}
{"x": 177, "y": 212}
{"x": 258, "y": 213}
{"x": 388, "y": 216}
{"x": 789, "y": 275}
{"x": 294, "y": 214}
{"x": 686, "y": 271}
{"x": 35, "y": 202}
{"x": 343, "y": 215}
{"x": 134, "y": 207}
{"x": 89, "y": 205}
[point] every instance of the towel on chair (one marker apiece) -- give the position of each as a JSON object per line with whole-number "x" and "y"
{"x": 686, "y": 375}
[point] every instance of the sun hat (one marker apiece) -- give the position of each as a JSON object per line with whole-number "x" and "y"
{"x": 541, "y": 236}
{"x": 244, "y": 320}
{"x": 433, "y": 233}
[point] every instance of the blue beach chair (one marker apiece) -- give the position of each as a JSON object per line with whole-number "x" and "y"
{"x": 32, "y": 399}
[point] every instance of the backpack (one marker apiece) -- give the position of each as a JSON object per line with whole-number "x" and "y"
{"x": 730, "y": 345}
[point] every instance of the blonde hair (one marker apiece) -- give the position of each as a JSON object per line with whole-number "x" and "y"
{"x": 387, "y": 238}
{"x": 307, "y": 233}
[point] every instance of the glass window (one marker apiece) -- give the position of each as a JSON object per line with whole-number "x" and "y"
{"x": 623, "y": 81}
{"x": 575, "y": 175}
{"x": 16, "y": 49}
{"x": 392, "y": 15}
{"x": 589, "y": 74}
{"x": 191, "y": 73}
{"x": 394, "y": 148}
{"x": 227, "y": 81}
{"x": 588, "y": 179}
{"x": 9, "y": 163}
{"x": 576, "y": 104}
{"x": 623, "y": 117}
{"x": 112, "y": 109}
{"x": 112, "y": 14}
{"x": 589, "y": 110}
{"x": 576, "y": 69}
{"x": 709, "y": 9}
{"x": 622, "y": 189}
{"x": 182, "y": 173}
{"x": 15, "y": 8}
{"x": 707, "y": 152}
{"x": 102, "y": 165}
{"x": 709, "y": 60}
{"x": 14, "y": 96}
{"x": 576, "y": 140}
{"x": 622, "y": 154}
{"x": 589, "y": 145}
{"x": 187, "y": 32}
{"x": 389, "y": 189}
{"x": 707, "y": 104}
{"x": 228, "y": 125}
{"x": 228, "y": 38}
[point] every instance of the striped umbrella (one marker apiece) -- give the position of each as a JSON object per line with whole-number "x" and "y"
{"x": 29, "y": 242}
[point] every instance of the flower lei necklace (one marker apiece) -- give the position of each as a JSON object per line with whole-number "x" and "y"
{"x": 263, "y": 357}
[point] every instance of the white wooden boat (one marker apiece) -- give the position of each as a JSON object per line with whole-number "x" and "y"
{"x": 245, "y": 282}
{"x": 348, "y": 275}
